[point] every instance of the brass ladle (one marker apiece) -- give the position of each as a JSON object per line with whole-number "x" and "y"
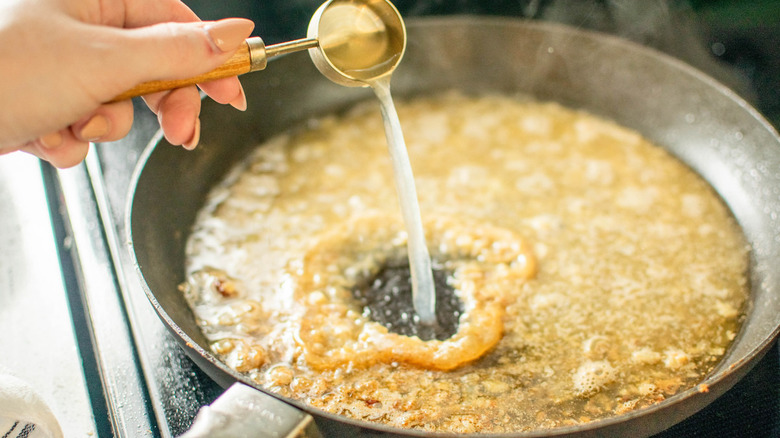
{"x": 351, "y": 42}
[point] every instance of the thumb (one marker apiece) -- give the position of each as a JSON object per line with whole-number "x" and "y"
{"x": 169, "y": 51}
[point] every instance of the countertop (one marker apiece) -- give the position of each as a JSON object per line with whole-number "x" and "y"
{"x": 39, "y": 344}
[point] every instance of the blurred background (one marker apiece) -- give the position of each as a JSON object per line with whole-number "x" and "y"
{"x": 735, "y": 41}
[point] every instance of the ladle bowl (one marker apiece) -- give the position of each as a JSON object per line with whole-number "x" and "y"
{"x": 360, "y": 41}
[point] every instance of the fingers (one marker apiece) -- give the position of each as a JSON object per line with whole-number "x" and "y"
{"x": 169, "y": 51}
{"x": 148, "y": 12}
{"x": 219, "y": 38}
{"x": 69, "y": 146}
{"x": 177, "y": 112}
{"x": 109, "y": 122}
{"x": 61, "y": 149}
{"x": 189, "y": 49}
{"x": 226, "y": 91}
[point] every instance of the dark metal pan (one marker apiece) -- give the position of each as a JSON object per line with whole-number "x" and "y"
{"x": 700, "y": 121}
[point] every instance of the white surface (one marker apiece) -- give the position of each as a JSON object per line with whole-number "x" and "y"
{"x": 37, "y": 342}
{"x": 23, "y": 411}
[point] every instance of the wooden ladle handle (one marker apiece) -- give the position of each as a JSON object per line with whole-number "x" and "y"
{"x": 238, "y": 64}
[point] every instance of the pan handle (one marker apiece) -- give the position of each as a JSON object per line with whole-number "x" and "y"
{"x": 244, "y": 411}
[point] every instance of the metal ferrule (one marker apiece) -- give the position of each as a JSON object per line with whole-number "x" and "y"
{"x": 257, "y": 54}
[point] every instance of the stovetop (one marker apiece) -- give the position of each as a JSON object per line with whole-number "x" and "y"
{"x": 141, "y": 383}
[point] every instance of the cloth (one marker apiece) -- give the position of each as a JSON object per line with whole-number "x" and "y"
{"x": 23, "y": 413}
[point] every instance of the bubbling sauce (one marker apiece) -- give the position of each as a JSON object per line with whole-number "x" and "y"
{"x": 595, "y": 274}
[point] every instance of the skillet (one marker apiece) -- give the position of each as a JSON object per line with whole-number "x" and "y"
{"x": 697, "y": 119}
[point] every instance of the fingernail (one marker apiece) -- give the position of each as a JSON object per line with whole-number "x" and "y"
{"x": 51, "y": 140}
{"x": 228, "y": 34}
{"x": 95, "y": 128}
{"x": 239, "y": 102}
{"x": 190, "y": 145}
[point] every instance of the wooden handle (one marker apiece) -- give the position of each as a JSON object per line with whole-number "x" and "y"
{"x": 238, "y": 64}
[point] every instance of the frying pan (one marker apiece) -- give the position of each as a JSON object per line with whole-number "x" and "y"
{"x": 698, "y": 120}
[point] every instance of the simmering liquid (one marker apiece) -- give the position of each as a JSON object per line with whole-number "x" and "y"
{"x": 595, "y": 273}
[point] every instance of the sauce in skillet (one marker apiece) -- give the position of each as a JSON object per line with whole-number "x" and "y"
{"x": 597, "y": 274}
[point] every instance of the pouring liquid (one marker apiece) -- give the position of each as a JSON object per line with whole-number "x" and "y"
{"x": 423, "y": 287}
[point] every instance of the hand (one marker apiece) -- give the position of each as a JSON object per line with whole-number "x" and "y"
{"x": 62, "y": 59}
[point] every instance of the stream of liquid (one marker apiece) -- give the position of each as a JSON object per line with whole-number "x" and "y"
{"x": 423, "y": 287}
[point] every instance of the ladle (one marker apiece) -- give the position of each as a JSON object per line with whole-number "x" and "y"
{"x": 351, "y": 42}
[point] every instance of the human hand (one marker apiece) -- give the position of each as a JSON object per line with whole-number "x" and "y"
{"x": 62, "y": 59}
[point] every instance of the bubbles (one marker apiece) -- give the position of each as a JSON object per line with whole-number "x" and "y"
{"x": 593, "y": 376}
